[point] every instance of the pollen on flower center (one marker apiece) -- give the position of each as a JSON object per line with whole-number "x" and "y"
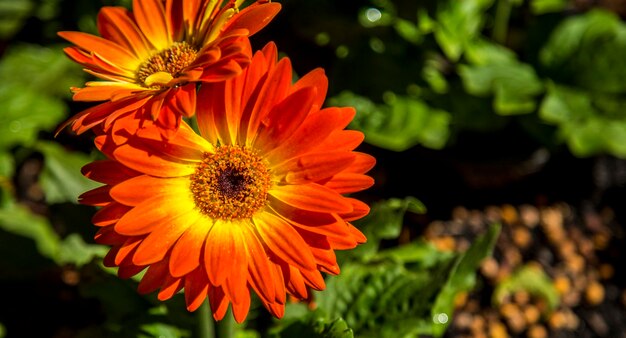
{"x": 231, "y": 183}
{"x": 158, "y": 70}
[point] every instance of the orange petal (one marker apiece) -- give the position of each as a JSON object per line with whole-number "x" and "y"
{"x": 240, "y": 309}
{"x": 284, "y": 118}
{"x": 254, "y": 17}
{"x": 150, "y": 16}
{"x": 185, "y": 255}
{"x": 314, "y": 279}
{"x": 139, "y": 189}
{"x": 313, "y": 197}
{"x": 96, "y": 197}
{"x": 153, "y": 214}
{"x": 295, "y": 283}
{"x": 315, "y": 166}
{"x": 341, "y": 140}
{"x": 218, "y": 301}
{"x": 274, "y": 90}
{"x": 362, "y": 164}
{"x": 117, "y": 24}
{"x": 143, "y": 159}
{"x": 126, "y": 251}
{"x": 154, "y": 247}
{"x": 260, "y": 277}
{"x": 316, "y": 79}
{"x": 107, "y": 172}
{"x": 221, "y": 252}
{"x": 170, "y": 287}
{"x": 104, "y": 91}
{"x": 345, "y": 183}
{"x": 312, "y": 132}
{"x": 283, "y": 240}
{"x": 196, "y": 289}
{"x": 360, "y": 210}
{"x": 109, "y": 214}
{"x": 108, "y": 50}
{"x": 153, "y": 278}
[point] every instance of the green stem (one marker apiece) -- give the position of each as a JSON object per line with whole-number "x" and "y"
{"x": 206, "y": 328}
{"x": 501, "y": 23}
{"x": 225, "y": 327}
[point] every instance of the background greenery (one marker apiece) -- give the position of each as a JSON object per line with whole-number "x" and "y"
{"x": 462, "y": 102}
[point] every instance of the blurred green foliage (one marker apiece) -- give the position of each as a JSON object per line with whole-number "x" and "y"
{"x": 531, "y": 279}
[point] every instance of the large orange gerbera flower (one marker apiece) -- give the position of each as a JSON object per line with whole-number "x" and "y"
{"x": 152, "y": 58}
{"x": 254, "y": 202}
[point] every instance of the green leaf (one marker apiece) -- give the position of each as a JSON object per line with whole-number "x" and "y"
{"x": 400, "y": 124}
{"x": 13, "y": 13}
{"x": 590, "y": 123}
{"x": 586, "y": 51}
{"x": 539, "y": 7}
{"x": 161, "y": 330}
{"x": 408, "y": 31}
{"x": 73, "y": 250}
{"x": 25, "y": 113}
{"x": 312, "y": 325}
{"x": 459, "y": 23}
{"x": 19, "y": 220}
{"x": 462, "y": 277}
{"x": 3, "y": 331}
{"x": 531, "y": 279}
{"x": 35, "y": 79}
{"x": 45, "y": 71}
{"x": 384, "y": 221}
{"x": 60, "y": 178}
{"x": 513, "y": 84}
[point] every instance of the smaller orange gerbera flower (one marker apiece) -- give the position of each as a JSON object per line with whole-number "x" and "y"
{"x": 253, "y": 203}
{"x": 152, "y": 58}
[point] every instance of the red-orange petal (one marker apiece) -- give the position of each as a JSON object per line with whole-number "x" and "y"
{"x": 186, "y": 253}
{"x": 254, "y": 17}
{"x": 313, "y": 197}
{"x": 283, "y": 240}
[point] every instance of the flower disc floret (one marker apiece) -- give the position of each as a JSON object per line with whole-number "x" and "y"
{"x": 161, "y": 68}
{"x": 231, "y": 184}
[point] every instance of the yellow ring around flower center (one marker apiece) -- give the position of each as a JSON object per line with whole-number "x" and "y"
{"x": 231, "y": 184}
{"x": 161, "y": 68}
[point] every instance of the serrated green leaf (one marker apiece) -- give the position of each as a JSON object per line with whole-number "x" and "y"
{"x": 73, "y": 250}
{"x": 315, "y": 324}
{"x": 462, "y": 278}
{"x": 61, "y": 178}
{"x": 531, "y": 279}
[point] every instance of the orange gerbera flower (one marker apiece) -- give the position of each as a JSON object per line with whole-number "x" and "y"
{"x": 152, "y": 58}
{"x": 254, "y": 202}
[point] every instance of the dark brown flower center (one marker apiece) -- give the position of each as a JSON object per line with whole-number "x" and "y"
{"x": 161, "y": 68}
{"x": 231, "y": 183}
